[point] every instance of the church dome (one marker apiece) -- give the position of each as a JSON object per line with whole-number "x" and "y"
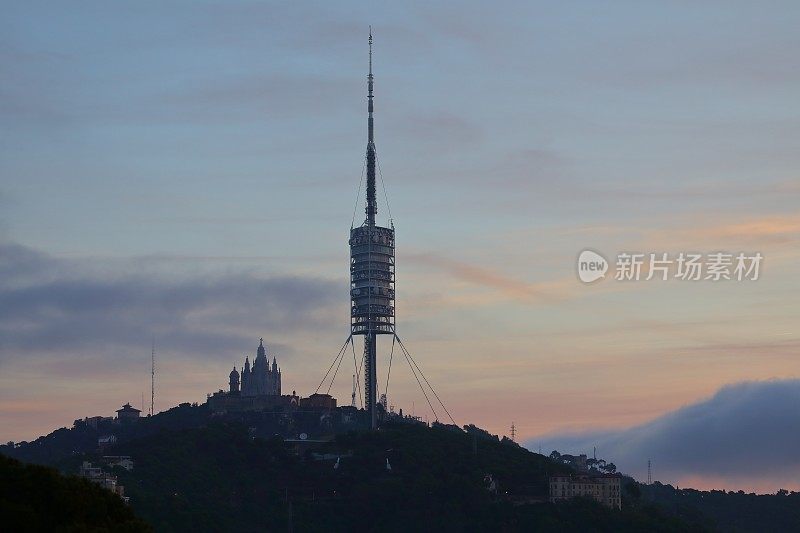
{"x": 234, "y": 374}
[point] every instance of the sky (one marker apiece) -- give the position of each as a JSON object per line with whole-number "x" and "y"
{"x": 187, "y": 172}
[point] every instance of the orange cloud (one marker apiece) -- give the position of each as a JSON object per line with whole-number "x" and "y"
{"x": 754, "y": 232}
{"x": 544, "y": 292}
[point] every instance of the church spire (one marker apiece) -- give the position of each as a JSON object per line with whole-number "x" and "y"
{"x": 261, "y": 354}
{"x": 372, "y": 207}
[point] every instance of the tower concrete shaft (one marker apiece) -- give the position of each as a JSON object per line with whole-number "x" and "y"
{"x": 371, "y": 378}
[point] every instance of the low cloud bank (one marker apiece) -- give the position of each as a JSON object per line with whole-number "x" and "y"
{"x": 747, "y": 435}
{"x": 55, "y": 306}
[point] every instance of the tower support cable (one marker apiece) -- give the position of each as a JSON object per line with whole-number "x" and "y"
{"x": 357, "y": 368}
{"x": 341, "y": 358}
{"x": 383, "y": 186}
{"x": 389, "y": 372}
{"x": 402, "y": 346}
{"x": 349, "y": 338}
{"x": 421, "y": 387}
{"x": 358, "y": 193}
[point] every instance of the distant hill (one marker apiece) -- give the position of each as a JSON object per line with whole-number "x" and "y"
{"x": 716, "y": 509}
{"x": 37, "y": 498}
{"x": 65, "y": 442}
{"x": 195, "y": 471}
{"x": 218, "y": 478}
{"x": 729, "y": 511}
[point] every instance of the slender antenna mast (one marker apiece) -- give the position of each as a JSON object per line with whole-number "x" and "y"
{"x": 372, "y": 207}
{"x": 513, "y": 432}
{"x": 353, "y": 396}
{"x": 153, "y": 379}
{"x": 649, "y": 474}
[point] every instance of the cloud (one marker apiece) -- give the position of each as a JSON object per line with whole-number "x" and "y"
{"x": 776, "y": 229}
{"x": 775, "y": 235}
{"x": 52, "y": 305}
{"x": 746, "y": 433}
{"x": 508, "y": 288}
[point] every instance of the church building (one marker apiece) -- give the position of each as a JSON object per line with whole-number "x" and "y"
{"x": 260, "y": 380}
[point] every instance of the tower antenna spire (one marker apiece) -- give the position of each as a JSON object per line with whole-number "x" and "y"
{"x": 370, "y": 51}
{"x": 372, "y": 208}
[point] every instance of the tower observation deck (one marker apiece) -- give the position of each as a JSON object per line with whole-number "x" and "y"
{"x": 371, "y": 270}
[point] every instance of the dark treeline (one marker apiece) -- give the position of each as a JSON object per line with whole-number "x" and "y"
{"x": 729, "y": 511}
{"x": 37, "y": 498}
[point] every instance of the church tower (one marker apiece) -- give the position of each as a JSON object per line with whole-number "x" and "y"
{"x": 234, "y": 380}
{"x": 246, "y": 377}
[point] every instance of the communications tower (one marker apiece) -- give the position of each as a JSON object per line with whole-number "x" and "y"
{"x": 371, "y": 271}
{"x": 372, "y": 279}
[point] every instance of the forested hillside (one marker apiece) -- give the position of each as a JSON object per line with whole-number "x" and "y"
{"x": 198, "y": 472}
{"x": 37, "y": 498}
{"x": 401, "y": 477}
